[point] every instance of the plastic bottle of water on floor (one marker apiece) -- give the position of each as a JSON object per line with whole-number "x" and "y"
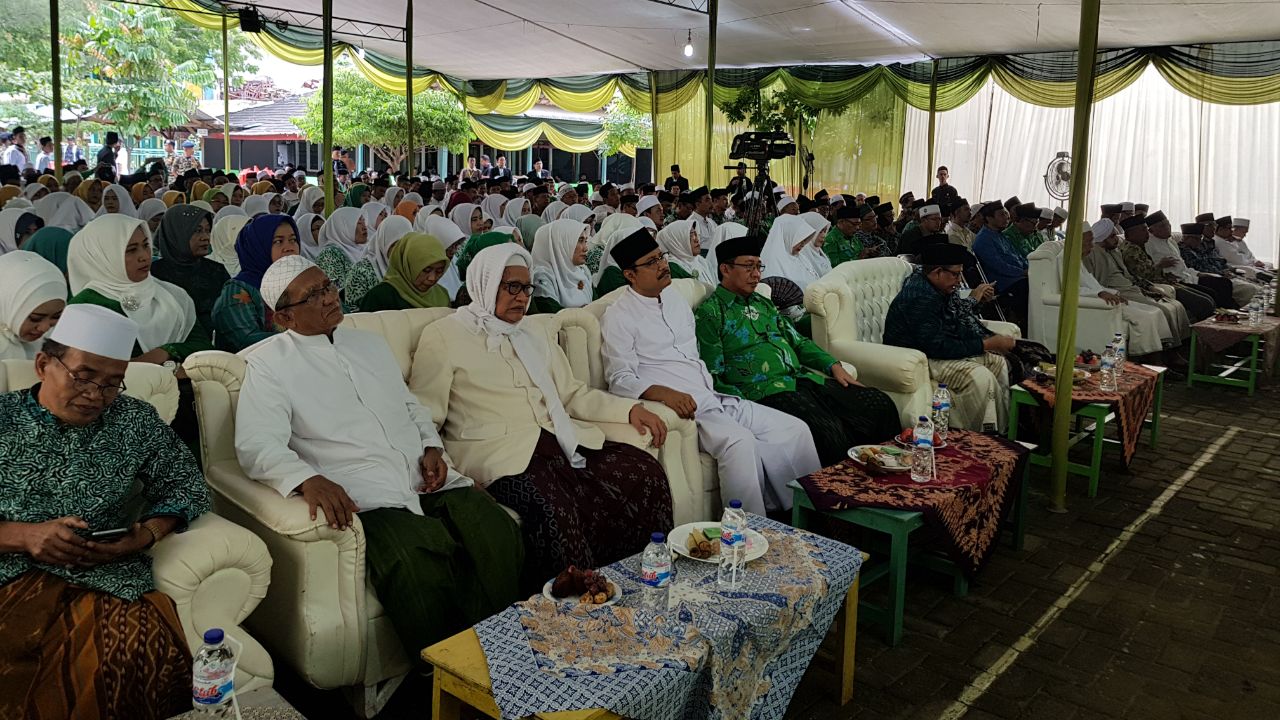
{"x": 941, "y": 413}
{"x": 1107, "y": 370}
{"x": 922, "y": 451}
{"x": 733, "y": 546}
{"x": 213, "y": 677}
{"x": 655, "y": 573}
{"x": 1118, "y": 346}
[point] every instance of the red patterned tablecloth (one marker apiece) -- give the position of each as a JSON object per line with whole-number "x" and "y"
{"x": 978, "y": 476}
{"x": 1130, "y": 401}
{"x": 1219, "y": 336}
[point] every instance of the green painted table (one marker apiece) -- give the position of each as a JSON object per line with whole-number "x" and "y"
{"x": 1260, "y": 340}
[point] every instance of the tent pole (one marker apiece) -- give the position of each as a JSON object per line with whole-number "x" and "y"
{"x": 326, "y": 101}
{"x": 226, "y": 95}
{"x": 55, "y": 49}
{"x": 408, "y": 83}
{"x": 1071, "y": 261}
{"x": 653, "y": 120}
{"x": 933, "y": 124}
{"x": 713, "y": 14}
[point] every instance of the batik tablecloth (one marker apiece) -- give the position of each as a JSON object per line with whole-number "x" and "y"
{"x": 1132, "y": 399}
{"x": 713, "y": 654}
{"x": 978, "y": 477}
{"x": 1219, "y": 336}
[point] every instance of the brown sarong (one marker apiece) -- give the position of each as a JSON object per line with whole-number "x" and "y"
{"x": 70, "y": 653}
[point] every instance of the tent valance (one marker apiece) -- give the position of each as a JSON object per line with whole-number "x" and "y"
{"x": 516, "y": 133}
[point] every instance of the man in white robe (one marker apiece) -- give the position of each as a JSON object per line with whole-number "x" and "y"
{"x": 1107, "y": 266}
{"x": 1230, "y": 248}
{"x": 1239, "y": 229}
{"x": 324, "y": 413}
{"x": 701, "y": 216}
{"x": 1148, "y": 329}
{"x": 651, "y": 352}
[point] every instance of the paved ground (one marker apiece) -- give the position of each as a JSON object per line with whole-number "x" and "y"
{"x": 1178, "y": 622}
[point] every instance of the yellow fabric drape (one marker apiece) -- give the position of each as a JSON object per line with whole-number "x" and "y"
{"x": 587, "y": 101}
{"x": 515, "y": 105}
{"x": 201, "y": 17}
{"x": 1217, "y": 89}
{"x": 388, "y": 81}
{"x": 950, "y": 95}
{"x": 1063, "y": 94}
{"x": 523, "y": 138}
{"x": 295, "y": 55}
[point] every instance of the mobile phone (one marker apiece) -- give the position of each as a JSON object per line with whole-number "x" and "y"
{"x": 108, "y": 536}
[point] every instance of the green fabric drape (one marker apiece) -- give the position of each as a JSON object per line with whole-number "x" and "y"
{"x": 517, "y": 133}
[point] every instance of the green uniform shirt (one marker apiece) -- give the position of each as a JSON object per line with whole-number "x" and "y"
{"x": 751, "y": 350}
{"x": 841, "y": 248}
{"x": 1024, "y": 244}
{"x": 195, "y": 341}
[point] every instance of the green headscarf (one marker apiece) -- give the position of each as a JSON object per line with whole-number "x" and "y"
{"x": 529, "y": 225}
{"x": 408, "y": 258}
{"x": 50, "y": 243}
{"x": 211, "y": 193}
{"x": 475, "y": 244}
{"x": 353, "y": 195}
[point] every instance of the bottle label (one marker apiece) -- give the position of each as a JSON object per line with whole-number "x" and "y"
{"x": 217, "y": 692}
{"x": 655, "y": 577}
{"x": 924, "y": 442}
{"x": 729, "y": 538}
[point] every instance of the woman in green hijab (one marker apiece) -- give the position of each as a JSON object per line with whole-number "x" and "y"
{"x": 50, "y": 243}
{"x": 357, "y": 196}
{"x": 529, "y": 225}
{"x": 414, "y": 268}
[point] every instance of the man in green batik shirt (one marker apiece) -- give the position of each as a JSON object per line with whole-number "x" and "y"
{"x": 842, "y": 243}
{"x": 755, "y": 353}
{"x": 1022, "y": 232}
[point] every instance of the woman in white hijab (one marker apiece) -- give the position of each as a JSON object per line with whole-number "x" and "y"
{"x": 343, "y": 241}
{"x": 312, "y": 197}
{"x": 17, "y": 224}
{"x": 608, "y": 276}
{"x": 371, "y": 268}
{"x": 228, "y": 211}
{"x": 116, "y": 200}
{"x": 374, "y": 213}
{"x": 309, "y": 226}
{"x": 34, "y": 191}
{"x": 727, "y": 231}
{"x": 552, "y": 211}
{"x": 494, "y": 205}
{"x": 515, "y": 210}
{"x": 813, "y": 251}
{"x": 538, "y": 453}
{"x": 63, "y": 210}
{"x": 469, "y": 218}
{"x": 223, "y": 241}
{"x": 109, "y": 264}
{"x": 580, "y": 213}
{"x": 253, "y": 206}
{"x": 679, "y": 240}
{"x": 33, "y": 293}
{"x": 560, "y": 276}
{"x": 415, "y": 197}
{"x": 151, "y": 211}
{"x": 783, "y": 254}
{"x": 452, "y": 238}
{"x": 392, "y": 197}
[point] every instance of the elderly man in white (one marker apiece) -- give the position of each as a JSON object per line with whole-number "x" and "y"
{"x": 651, "y": 352}
{"x": 324, "y": 413}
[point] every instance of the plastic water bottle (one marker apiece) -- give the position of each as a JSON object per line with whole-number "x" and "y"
{"x": 941, "y": 413}
{"x": 1255, "y": 312}
{"x": 1117, "y": 346}
{"x": 733, "y": 546}
{"x": 922, "y": 451}
{"x": 1107, "y": 380}
{"x": 655, "y": 573}
{"x": 213, "y": 677}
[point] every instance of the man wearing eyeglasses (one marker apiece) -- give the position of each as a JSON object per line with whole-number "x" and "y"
{"x": 73, "y": 571}
{"x": 324, "y": 413}
{"x": 755, "y": 353}
{"x": 651, "y": 353}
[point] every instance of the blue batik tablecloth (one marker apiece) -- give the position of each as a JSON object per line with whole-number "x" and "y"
{"x": 716, "y": 655}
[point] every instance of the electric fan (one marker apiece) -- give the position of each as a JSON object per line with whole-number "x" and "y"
{"x": 1057, "y": 177}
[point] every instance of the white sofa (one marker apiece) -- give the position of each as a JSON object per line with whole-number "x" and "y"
{"x": 848, "y": 307}
{"x": 216, "y": 572}
{"x": 1096, "y": 321}
{"x": 321, "y": 617}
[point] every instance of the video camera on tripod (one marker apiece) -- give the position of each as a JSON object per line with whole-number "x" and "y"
{"x": 761, "y": 147}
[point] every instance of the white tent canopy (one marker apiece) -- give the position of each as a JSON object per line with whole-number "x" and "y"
{"x": 504, "y": 39}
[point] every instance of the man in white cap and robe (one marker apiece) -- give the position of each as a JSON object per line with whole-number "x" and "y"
{"x": 1107, "y": 265}
{"x": 324, "y": 413}
{"x": 1239, "y": 229}
{"x": 77, "y": 598}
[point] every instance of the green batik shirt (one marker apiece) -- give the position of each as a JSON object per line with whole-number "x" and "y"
{"x": 1024, "y": 244}
{"x": 103, "y": 472}
{"x": 841, "y": 248}
{"x": 752, "y": 351}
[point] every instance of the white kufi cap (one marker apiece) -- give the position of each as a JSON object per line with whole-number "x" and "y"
{"x": 928, "y": 210}
{"x": 97, "y": 330}
{"x": 784, "y": 201}
{"x": 282, "y": 272}
{"x": 646, "y": 203}
{"x": 1060, "y": 213}
{"x": 1237, "y": 222}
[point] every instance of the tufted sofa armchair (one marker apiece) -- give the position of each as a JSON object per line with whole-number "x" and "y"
{"x": 215, "y": 572}
{"x": 849, "y": 305}
{"x": 1096, "y": 322}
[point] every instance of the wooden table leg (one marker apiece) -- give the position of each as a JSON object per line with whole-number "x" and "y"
{"x": 1191, "y": 362}
{"x": 443, "y": 705}
{"x": 846, "y": 636}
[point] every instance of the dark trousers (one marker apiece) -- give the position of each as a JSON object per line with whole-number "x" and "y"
{"x": 1220, "y": 289}
{"x": 839, "y": 417}
{"x": 1198, "y": 303}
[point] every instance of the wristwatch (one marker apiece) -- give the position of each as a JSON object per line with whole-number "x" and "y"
{"x": 171, "y": 366}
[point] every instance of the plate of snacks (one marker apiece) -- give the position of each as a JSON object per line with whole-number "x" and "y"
{"x": 1077, "y": 375}
{"x": 881, "y": 458}
{"x": 905, "y": 438}
{"x": 585, "y": 587}
{"x": 701, "y": 541}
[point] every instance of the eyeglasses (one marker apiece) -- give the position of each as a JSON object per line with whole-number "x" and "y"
{"x": 750, "y": 267}
{"x": 516, "y": 288}
{"x": 86, "y": 387}
{"x": 662, "y": 258}
{"x": 315, "y": 297}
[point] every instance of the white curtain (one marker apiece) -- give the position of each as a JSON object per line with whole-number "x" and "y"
{"x": 1149, "y": 143}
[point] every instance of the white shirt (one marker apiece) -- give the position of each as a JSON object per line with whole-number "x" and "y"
{"x": 122, "y": 162}
{"x": 1158, "y": 249}
{"x": 13, "y": 155}
{"x": 44, "y": 161}
{"x": 706, "y": 228}
{"x": 653, "y": 341}
{"x": 341, "y": 410}
{"x": 1230, "y": 251}
{"x": 1089, "y": 285}
{"x": 959, "y": 235}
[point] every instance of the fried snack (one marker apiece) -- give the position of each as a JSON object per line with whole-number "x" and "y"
{"x": 589, "y": 586}
{"x": 701, "y": 548}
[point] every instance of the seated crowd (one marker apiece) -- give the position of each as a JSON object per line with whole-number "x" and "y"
{"x": 101, "y": 271}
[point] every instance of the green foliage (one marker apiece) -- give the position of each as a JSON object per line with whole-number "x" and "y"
{"x": 365, "y": 115}
{"x": 774, "y": 110}
{"x": 625, "y": 126}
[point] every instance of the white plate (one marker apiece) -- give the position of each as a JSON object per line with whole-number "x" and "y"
{"x": 757, "y": 544}
{"x": 615, "y": 594}
{"x": 853, "y": 455}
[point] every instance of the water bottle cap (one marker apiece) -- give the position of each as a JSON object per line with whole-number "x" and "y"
{"x": 942, "y": 386}
{"x": 735, "y": 504}
{"x": 924, "y": 418}
{"x": 213, "y": 636}
{"x": 658, "y": 537}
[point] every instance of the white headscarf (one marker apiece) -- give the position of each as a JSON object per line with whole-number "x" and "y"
{"x": 254, "y": 205}
{"x": 579, "y": 213}
{"x": 150, "y": 208}
{"x": 814, "y": 254}
{"x": 63, "y": 210}
{"x": 340, "y": 230}
{"x": 674, "y": 240}
{"x": 484, "y": 278}
{"x": 448, "y": 234}
{"x": 388, "y": 234}
{"x": 787, "y": 232}
{"x": 552, "y": 212}
{"x": 310, "y": 194}
{"x": 27, "y": 281}
{"x": 515, "y": 211}
{"x": 461, "y": 216}
{"x": 494, "y": 205}
{"x": 308, "y": 243}
{"x": 31, "y": 189}
{"x": 513, "y": 232}
{"x": 95, "y": 261}
{"x": 610, "y": 226}
{"x": 554, "y": 274}
{"x": 727, "y": 231}
{"x": 222, "y": 240}
{"x": 127, "y": 208}
{"x": 392, "y": 197}
{"x": 227, "y": 212}
{"x": 415, "y": 197}
{"x": 9, "y": 218}
{"x": 371, "y": 211}
{"x": 624, "y": 227}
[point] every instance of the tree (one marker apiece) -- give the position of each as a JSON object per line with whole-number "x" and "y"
{"x": 625, "y": 127}
{"x": 365, "y": 115}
